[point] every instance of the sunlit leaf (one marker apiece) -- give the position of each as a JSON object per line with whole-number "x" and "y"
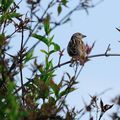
{"x": 51, "y": 39}
{"x": 14, "y": 15}
{"x": 9, "y": 16}
{"x": 56, "y": 47}
{"x": 49, "y": 64}
{"x": 52, "y": 51}
{"x": 41, "y": 38}
{"x": 43, "y": 51}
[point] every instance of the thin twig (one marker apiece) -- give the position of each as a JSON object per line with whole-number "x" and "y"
{"x": 49, "y": 5}
{"x": 13, "y": 33}
{"x": 76, "y": 68}
{"x": 108, "y": 49}
{"x": 21, "y": 57}
{"x": 79, "y": 72}
{"x": 4, "y": 26}
{"x": 104, "y": 55}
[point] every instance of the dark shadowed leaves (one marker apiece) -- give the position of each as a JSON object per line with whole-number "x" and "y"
{"x": 64, "y": 2}
{"x": 54, "y": 87}
{"x": 6, "y": 4}
{"x": 59, "y": 9}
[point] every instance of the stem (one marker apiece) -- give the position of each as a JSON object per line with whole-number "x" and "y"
{"x": 21, "y": 73}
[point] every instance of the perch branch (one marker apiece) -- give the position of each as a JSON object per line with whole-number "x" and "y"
{"x": 65, "y": 63}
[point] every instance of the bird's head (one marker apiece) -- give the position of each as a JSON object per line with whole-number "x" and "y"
{"x": 78, "y": 35}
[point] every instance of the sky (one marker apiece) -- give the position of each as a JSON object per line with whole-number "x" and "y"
{"x": 101, "y": 73}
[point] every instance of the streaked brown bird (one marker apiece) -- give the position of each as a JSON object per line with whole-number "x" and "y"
{"x": 76, "y": 48}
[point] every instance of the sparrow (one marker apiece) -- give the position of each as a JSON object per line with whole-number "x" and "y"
{"x": 76, "y": 48}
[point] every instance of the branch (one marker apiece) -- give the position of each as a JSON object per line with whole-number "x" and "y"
{"x": 21, "y": 64}
{"x": 65, "y": 63}
{"x": 104, "y": 55}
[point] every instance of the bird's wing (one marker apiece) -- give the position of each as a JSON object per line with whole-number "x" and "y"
{"x": 73, "y": 48}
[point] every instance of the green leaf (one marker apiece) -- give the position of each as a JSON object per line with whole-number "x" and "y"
{"x": 67, "y": 91}
{"x": 6, "y": 4}
{"x": 49, "y": 64}
{"x": 52, "y": 100}
{"x": 3, "y": 18}
{"x": 41, "y": 69}
{"x": 9, "y": 16}
{"x": 41, "y": 38}
{"x": 43, "y": 51}
{"x": 14, "y": 15}
{"x": 59, "y": 9}
{"x": 52, "y": 51}
{"x": 51, "y": 39}
{"x": 56, "y": 47}
{"x": 54, "y": 87}
{"x": 47, "y": 25}
{"x": 64, "y": 2}
{"x": 12, "y": 111}
{"x": 29, "y": 56}
{"x": 2, "y": 39}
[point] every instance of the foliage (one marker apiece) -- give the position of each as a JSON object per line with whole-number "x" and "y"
{"x": 38, "y": 97}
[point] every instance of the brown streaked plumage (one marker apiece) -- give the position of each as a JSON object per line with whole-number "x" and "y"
{"x": 76, "y": 47}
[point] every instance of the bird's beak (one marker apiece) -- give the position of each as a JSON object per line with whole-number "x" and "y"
{"x": 84, "y": 36}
